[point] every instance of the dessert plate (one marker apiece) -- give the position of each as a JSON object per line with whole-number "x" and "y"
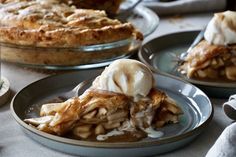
{"x": 158, "y": 55}
{"x": 197, "y": 114}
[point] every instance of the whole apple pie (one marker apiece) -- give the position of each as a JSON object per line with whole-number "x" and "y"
{"x": 53, "y": 24}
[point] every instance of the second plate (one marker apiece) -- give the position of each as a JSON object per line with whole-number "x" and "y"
{"x": 158, "y": 55}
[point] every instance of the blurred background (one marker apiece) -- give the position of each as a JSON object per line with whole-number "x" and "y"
{"x": 167, "y": 7}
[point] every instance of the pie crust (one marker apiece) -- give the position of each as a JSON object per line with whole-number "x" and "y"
{"x": 52, "y": 24}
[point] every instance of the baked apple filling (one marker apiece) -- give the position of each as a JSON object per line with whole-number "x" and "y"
{"x": 207, "y": 61}
{"x": 99, "y": 115}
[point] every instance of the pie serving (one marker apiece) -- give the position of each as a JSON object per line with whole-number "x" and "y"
{"x": 53, "y": 24}
{"x": 207, "y": 61}
{"x": 124, "y": 111}
{"x": 214, "y": 58}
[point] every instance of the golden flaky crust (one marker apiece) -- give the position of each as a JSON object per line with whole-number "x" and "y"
{"x": 53, "y": 24}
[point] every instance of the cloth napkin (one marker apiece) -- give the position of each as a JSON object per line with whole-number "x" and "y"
{"x": 185, "y": 6}
{"x": 225, "y": 145}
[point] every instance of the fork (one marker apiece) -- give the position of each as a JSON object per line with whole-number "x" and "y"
{"x": 181, "y": 58}
{"x": 199, "y": 37}
{"x": 123, "y": 16}
{"x": 76, "y": 90}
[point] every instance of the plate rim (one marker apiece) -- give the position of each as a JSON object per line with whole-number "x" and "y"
{"x": 197, "y": 82}
{"x": 107, "y": 145}
{"x": 154, "y": 15}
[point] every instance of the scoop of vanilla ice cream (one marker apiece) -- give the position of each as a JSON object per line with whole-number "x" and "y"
{"x": 126, "y": 76}
{"x": 221, "y": 30}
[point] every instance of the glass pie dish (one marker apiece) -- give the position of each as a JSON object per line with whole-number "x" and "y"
{"x": 82, "y": 57}
{"x": 58, "y": 58}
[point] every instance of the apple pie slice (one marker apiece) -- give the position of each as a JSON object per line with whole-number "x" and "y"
{"x": 208, "y": 61}
{"x": 102, "y": 114}
{"x": 122, "y": 102}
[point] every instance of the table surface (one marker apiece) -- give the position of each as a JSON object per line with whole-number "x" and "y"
{"x": 13, "y": 142}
